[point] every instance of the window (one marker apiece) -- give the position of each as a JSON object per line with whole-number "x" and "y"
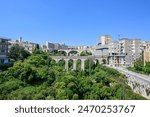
{"x": 2, "y": 61}
{"x": 2, "y": 50}
{"x": 3, "y": 45}
{"x": 3, "y": 41}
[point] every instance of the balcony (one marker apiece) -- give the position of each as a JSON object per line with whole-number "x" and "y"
{"x": 3, "y": 53}
{"x": 117, "y": 54}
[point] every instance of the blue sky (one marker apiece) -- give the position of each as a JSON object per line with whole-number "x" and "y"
{"x": 74, "y": 22}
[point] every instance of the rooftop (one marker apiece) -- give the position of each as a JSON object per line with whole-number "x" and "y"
{"x": 5, "y": 38}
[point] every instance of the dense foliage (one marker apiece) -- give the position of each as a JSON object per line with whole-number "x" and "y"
{"x": 140, "y": 67}
{"x": 17, "y": 52}
{"x": 39, "y": 77}
{"x": 5, "y": 66}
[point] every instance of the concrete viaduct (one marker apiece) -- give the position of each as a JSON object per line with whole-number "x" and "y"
{"x": 78, "y": 57}
{"x": 79, "y": 51}
{"x": 75, "y": 58}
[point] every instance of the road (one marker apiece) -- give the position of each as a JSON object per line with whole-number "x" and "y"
{"x": 144, "y": 79}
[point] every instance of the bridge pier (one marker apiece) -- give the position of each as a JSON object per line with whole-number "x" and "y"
{"x": 66, "y": 64}
{"x": 74, "y": 64}
{"x": 82, "y": 64}
{"x": 67, "y": 53}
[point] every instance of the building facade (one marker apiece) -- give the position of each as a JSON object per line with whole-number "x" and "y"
{"x": 146, "y": 55}
{"x": 124, "y": 52}
{"x": 104, "y": 40}
{"x": 4, "y": 50}
{"x": 119, "y": 53}
{"x": 116, "y": 54}
{"x": 54, "y": 46}
{"x": 29, "y": 46}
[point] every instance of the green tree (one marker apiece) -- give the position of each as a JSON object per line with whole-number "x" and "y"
{"x": 147, "y": 68}
{"x": 138, "y": 65}
{"x": 17, "y": 52}
{"x": 37, "y": 50}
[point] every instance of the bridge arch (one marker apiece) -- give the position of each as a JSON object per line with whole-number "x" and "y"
{"x": 68, "y": 51}
{"x": 75, "y": 60}
{"x": 72, "y": 52}
{"x": 78, "y": 51}
{"x": 86, "y": 52}
{"x": 61, "y": 50}
{"x": 61, "y": 62}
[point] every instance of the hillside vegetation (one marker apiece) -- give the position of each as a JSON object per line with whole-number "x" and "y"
{"x": 140, "y": 67}
{"x": 39, "y": 77}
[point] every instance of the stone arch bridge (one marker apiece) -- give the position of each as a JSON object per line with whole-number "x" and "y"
{"x": 79, "y": 51}
{"x": 75, "y": 58}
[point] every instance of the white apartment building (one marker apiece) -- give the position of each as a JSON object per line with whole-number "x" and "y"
{"x": 101, "y": 49}
{"x": 125, "y": 47}
{"x": 54, "y": 46}
{"x": 124, "y": 52}
{"x": 136, "y": 49}
{"x": 116, "y": 55}
{"x": 4, "y": 50}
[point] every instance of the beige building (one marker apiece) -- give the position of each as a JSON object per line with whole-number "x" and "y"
{"x": 147, "y": 54}
{"x": 104, "y": 40}
{"x": 29, "y": 46}
{"x": 53, "y": 46}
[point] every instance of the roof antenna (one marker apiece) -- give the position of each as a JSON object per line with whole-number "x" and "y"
{"x": 119, "y": 36}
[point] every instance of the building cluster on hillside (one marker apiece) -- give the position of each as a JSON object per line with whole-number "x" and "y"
{"x": 29, "y": 46}
{"x": 124, "y": 51}
{"x": 49, "y": 47}
{"x": 116, "y": 53}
